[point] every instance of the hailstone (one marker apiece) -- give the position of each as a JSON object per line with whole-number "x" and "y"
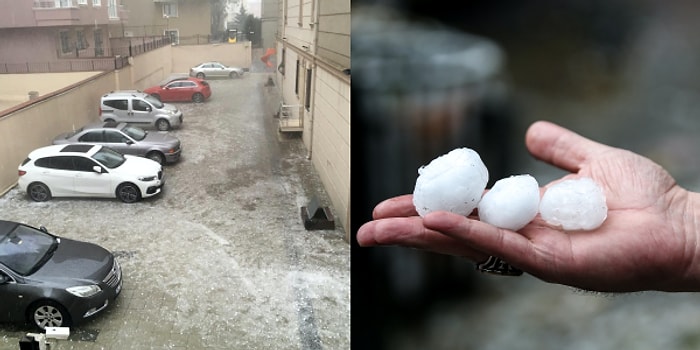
{"x": 511, "y": 203}
{"x": 452, "y": 182}
{"x": 575, "y": 204}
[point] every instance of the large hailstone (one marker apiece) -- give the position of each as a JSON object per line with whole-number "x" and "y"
{"x": 511, "y": 203}
{"x": 577, "y": 204}
{"x": 452, "y": 182}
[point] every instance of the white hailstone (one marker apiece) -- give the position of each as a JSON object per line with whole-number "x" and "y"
{"x": 452, "y": 182}
{"x": 511, "y": 203}
{"x": 577, "y": 204}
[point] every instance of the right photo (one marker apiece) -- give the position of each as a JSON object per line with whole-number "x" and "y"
{"x": 524, "y": 175}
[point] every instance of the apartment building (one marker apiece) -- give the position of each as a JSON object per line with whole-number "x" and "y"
{"x": 313, "y": 75}
{"x": 185, "y": 21}
{"x": 52, "y": 30}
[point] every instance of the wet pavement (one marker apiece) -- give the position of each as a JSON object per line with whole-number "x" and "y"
{"x": 221, "y": 259}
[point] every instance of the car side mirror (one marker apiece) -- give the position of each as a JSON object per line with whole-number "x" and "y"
{"x": 43, "y": 229}
{"x": 149, "y": 108}
{"x": 4, "y": 278}
{"x": 97, "y": 169}
{"x": 129, "y": 142}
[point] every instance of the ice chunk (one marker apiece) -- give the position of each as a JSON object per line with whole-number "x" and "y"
{"x": 511, "y": 203}
{"x": 576, "y": 204}
{"x": 452, "y": 182}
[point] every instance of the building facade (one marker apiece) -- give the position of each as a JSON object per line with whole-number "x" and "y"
{"x": 184, "y": 21}
{"x": 313, "y": 75}
{"x": 52, "y": 30}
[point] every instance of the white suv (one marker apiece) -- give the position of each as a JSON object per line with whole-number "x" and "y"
{"x": 139, "y": 108}
{"x": 83, "y": 170}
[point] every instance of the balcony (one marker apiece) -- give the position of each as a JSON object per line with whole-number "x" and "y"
{"x": 48, "y": 13}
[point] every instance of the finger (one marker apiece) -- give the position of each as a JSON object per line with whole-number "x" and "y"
{"x": 559, "y": 146}
{"x": 508, "y": 245}
{"x": 410, "y": 232}
{"x": 395, "y": 207}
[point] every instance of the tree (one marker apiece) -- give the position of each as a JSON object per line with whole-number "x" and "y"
{"x": 219, "y": 13}
{"x": 248, "y": 26}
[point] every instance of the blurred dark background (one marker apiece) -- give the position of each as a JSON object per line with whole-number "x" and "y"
{"x": 431, "y": 76}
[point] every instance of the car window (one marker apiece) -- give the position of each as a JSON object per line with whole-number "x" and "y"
{"x": 117, "y": 104}
{"x": 109, "y": 157}
{"x": 140, "y": 105}
{"x": 135, "y": 133}
{"x": 84, "y": 164}
{"x": 188, "y": 84}
{"x": 58, "y": 162}
{"x": 91, "y": 136}
{"x": 114, "y": 136}
{"x": 23, "y": 248}
{"x": 175, "y": 84}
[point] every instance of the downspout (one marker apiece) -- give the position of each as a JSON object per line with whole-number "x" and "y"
{"x": 313, "y": 81}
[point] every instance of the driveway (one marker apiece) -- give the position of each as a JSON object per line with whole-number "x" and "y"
{"x": 221, "y": 259}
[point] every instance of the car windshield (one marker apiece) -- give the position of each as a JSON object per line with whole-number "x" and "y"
{"x": 25, "y": 249}
{"x": 135, "y": 133}
{"x": 109, "y": 157}
{"x": 154, "y": 101}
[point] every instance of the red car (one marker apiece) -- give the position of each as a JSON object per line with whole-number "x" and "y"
{"x": 181, "y": 89}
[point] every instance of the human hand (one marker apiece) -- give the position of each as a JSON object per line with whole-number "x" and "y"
{"x": 648, "y": 241}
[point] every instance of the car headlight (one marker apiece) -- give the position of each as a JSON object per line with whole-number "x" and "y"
{"x": 148, "y": 178}
{"x": 84, "y": 291}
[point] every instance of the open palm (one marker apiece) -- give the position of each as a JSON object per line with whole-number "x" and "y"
{"x": 648, "y": 240}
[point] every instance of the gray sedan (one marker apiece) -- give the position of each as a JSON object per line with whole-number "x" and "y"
{"x": 159, "y": 146}
{"x": 215, "y": 69}
{"x": 53, "y": 282}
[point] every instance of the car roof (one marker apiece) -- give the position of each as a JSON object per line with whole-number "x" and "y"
{"x": 124, "y": 93}
{"x": 70, "y": 149}
{"x": 104, "y": 125}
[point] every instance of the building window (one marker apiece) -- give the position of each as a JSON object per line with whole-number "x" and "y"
{"x": 169, "y": 10}
{"x": 63, "y": 3}
{"x": 82, "y": 2}
{"x": 81, "y": 43}
{"x": 96, "y": 3}
{"x": 99, "y": 51}
{"x": 112, "y": 9}
{"x": 296, "y": 82}
{"x": 65, "y": 42}
{"x": 174, "y": 36}
{"x": 307, "y": 92}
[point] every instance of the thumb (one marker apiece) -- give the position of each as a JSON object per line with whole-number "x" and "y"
{"x": 560, "y": 147}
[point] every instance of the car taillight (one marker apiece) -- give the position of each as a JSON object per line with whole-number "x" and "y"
{"x": 21, "y": 172}
{"x": 100, "y": 112}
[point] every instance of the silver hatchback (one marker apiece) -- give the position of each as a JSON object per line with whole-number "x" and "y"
{"x": 126, "y": 139}
{"x": 215, "y": 69}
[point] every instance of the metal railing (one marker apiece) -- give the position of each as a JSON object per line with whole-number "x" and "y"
{"x": 78, "y": 65}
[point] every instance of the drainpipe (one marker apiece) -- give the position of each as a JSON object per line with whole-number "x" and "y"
{"x": 313, "y": 81}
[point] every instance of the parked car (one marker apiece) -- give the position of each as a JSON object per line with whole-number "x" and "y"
{"x": 215, "y": 69}
{"x": 181, "y": 90}
{"x": 85, "y": 170}
{"x": 49, "y": 281}
{"x": 126, "y": 139}
{"x": 139, "y": 108}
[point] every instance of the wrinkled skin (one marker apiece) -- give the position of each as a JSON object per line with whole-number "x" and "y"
{"x": 648, "y": 241}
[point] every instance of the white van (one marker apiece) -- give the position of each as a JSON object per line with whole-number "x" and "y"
{"x": 139, "y": 108}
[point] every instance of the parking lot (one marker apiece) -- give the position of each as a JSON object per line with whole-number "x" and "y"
{"x": 221, "y": 258}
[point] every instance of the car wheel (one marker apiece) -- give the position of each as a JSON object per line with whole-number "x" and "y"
{"x": 233, "y": 75}
{"x": 156, "y": 156}
{"x": 162, "y": 125}
{"x": 48, "y": 314}
{"x": 128, "y": 193}
{"x": 157, "y": 97}
{"x": 198, "y": 98}
{"x": 200, "y": 75}
{"x": 109, "y": 120}
{"x": 39, "y": 192}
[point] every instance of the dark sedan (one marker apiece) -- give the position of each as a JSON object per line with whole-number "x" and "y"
{"x": 50, "y": 281}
